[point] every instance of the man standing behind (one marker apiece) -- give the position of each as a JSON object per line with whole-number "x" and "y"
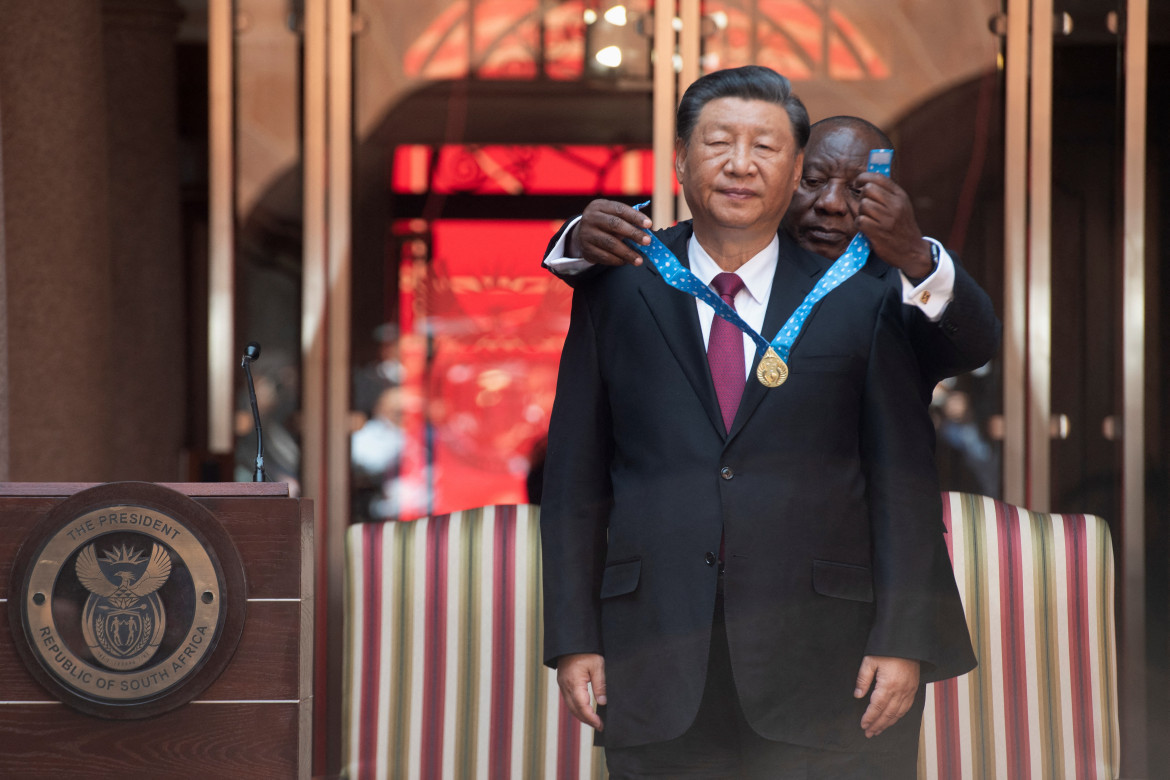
{"x": 752, "y": 579}
{"x": 949, "y": 318}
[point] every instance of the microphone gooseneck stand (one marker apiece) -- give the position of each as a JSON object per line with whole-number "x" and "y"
{"x": 252, "y": 352}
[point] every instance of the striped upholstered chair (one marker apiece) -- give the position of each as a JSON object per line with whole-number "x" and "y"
{"x": 1038, "y": 590}
{"x": 443, "y": 674}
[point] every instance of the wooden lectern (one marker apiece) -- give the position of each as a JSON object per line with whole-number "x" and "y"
{"x": 252, "y": 716}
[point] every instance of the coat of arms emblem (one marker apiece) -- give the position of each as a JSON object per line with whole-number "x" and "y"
{"x": 129, "y": 600}
{"x": 123, "y": 620}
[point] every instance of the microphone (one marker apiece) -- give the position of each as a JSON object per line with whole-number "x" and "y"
{"x": 252, "y": 352}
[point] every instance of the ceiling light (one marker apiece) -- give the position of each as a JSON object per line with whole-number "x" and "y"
{"x": 610, "y": 56}
{"x": 616, "y": 16}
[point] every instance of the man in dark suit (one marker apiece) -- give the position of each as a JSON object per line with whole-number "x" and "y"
{"x": 753, "y": 580}
{"x": 950, "y": 319}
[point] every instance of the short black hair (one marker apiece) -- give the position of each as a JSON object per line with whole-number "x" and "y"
{"x": 750, "y": 82}
{"x": 856, "y": 123}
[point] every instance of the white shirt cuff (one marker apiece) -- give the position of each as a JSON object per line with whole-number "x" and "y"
{"x": 934, "y": 292}
{"x": 556, "y": 261}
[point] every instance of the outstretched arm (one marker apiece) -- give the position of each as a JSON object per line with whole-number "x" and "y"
{"x": 952, "y": 323}
{"x": 965, "y": 336}
{"x": 597, "y": 238}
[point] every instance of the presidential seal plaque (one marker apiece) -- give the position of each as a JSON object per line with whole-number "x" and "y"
{"x": 127, "y": 600}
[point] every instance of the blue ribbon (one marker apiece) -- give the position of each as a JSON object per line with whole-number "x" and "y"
{"x": 680, "y": 277}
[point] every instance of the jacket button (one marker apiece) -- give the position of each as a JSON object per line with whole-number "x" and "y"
{"x": 726, "y": 472}
{"x": 710, "y": 558}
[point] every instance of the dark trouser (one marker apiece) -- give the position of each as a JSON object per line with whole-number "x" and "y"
{"x": 721, "y": 743}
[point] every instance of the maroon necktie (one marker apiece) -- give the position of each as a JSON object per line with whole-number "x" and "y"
{"x": 725, "y": 351}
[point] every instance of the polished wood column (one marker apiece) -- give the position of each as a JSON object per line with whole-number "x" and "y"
{"x": 93, "y": 303}
{"x": 54, "y": 242}
{"x": 148, "y": 326}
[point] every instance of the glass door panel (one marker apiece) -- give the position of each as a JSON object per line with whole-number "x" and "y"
{"x": 1157, "y": 393}
{"x": 268, "y": 246}
{"x": 1093, "y": 328}
{"x": 471, "y": 149}
{"x": 1086, "y": 273}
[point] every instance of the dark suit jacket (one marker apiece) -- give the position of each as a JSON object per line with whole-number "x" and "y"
{"x": 965, "y": 338}
{"x": 824, "y": 490}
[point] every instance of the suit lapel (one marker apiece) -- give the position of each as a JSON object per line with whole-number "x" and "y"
{"x": 678, "y": 320}
{"x": 797, "y": 272}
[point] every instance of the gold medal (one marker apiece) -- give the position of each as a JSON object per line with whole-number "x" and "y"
{"x": 772, "y": 371}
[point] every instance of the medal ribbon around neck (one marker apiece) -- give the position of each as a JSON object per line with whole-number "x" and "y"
{"x": 773, "y": 369}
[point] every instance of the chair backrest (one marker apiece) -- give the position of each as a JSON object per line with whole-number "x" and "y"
{"x": 443, "y": 676}
{"x": 443, "y": 673}
{"x": 1038, "y": 592}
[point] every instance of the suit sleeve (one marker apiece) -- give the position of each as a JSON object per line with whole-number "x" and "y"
{"x": 571, "y": 279}
{"x": 577, "y": 495}
{"x": 965, "y": 338}
{"x": 918, "y": 611}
